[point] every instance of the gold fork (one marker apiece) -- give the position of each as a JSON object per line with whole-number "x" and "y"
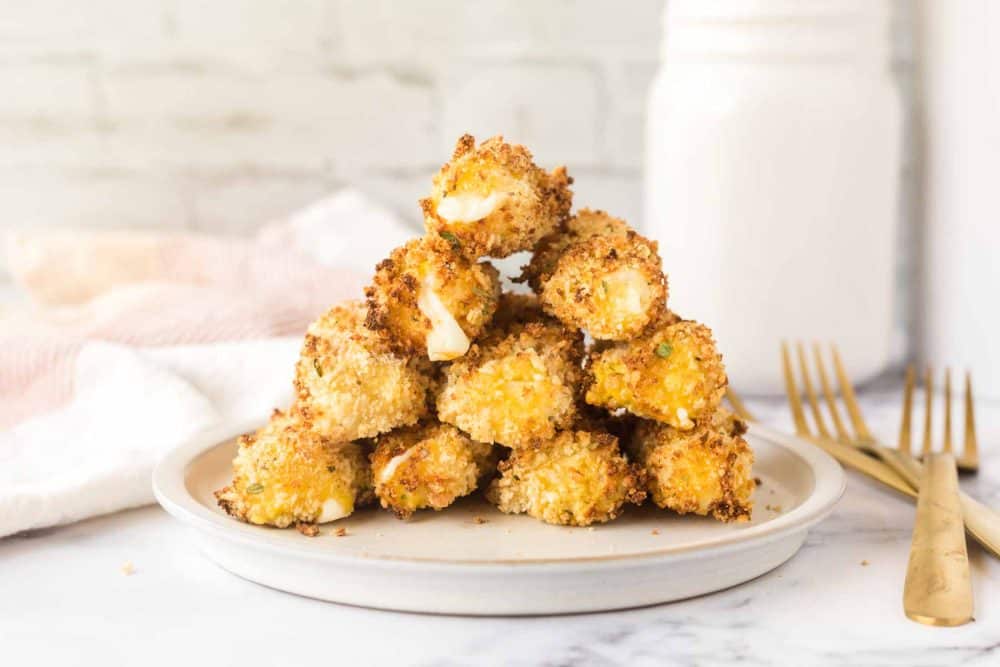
{"x": 938, "y": 588}
{"x": 839, "y": 448}
{"x": 891, "y": 467}
{"x": 968, "y": 460}
{"x": 848, "y": 456}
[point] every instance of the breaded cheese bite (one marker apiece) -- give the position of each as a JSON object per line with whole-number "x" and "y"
{"x": 672, "y": 373}
{"x": 285, "y": 473}
{"x": 576, "y": 479}
{"x": 350, "y": 383}
{"x": 515, "y": 387}
{"x": 610, "y": 286}
{"x": 585, "y": 225}
{"x": 429, "y": 299}
{"x": 430, "y": 465}
{"x": 492, "y": 200}
{"x": 706, "y": 470}
{"x": 600, "y": 276}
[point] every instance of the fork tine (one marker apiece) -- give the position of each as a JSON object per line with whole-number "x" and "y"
{"x": 794, "y": 402}
{"x": 970, "y": 448}
{"x": 831, "y": 402}
{"x": 904, "y": 427}
{"x": 928, "y": 402}
{"x": 811, "y": 393}
{"x": 847, "y": 391}
{"x": 947, "y": 410}
{"x": 738, "y": 406}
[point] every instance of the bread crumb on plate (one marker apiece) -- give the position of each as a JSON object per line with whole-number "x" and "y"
{"x": 307, "y": 529}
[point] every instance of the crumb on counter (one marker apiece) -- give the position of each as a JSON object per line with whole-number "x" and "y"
{"x": 757, "y": 481}
{"x": 307, "y": 529}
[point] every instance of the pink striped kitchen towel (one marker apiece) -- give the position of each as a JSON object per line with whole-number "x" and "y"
{"x": 127, "y": 343}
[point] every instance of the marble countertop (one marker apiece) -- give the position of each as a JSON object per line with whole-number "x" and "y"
{"x": 64, "y": 599}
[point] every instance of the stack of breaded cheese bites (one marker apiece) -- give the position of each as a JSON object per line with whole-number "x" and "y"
{"x": 440, "y": 384}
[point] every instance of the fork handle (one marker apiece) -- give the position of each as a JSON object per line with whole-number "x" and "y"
{"x": 938, "y": 589}
{"x": 857, "y": 459}
{"x": 982, "y": 521}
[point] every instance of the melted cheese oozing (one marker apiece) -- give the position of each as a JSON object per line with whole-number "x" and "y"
{"x": 332, "y": 510}
{"x": 628, "y": 290}
{"x": 468, "y": 207}
{"x": 390, "y": 468}
{"x": 446, "y": 340}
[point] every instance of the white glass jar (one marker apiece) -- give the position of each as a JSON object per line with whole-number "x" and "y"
{"x": 960, "y": 63}
{"x": 772, "y": 172}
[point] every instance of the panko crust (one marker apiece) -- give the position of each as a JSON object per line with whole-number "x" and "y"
{"x": 516, "y": 309}
{"x": 585, "y": 225}
{"x": 351, "y": 384}
{"x": 285, "y": 473}
{"x": 469, "y": 290}
{"x": 430, "y": 465}
{"x": 706, "y": 471}
{"x": 516, "y": 387}
{"x": 672, "y": 373}
{"x": 620, "y": 424}
{"x": 530, "y": 202}
{"x": 577, "y": 479}
{"x": 612, "y": 286}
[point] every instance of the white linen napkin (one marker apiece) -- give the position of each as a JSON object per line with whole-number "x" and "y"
{"x": 145, "y": 340}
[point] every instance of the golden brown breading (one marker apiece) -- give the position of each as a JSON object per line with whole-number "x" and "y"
{"x": 285, "y": 473}
{"x": 706, "y": 470}
{"x": 583, "y": 226}
{"x": 516, "y": 386}
{"x": 597, "y": 274}
{"x": 429, "y": 299}
{"x": 514, "y": 309}
{"x": 620, "y": 424}
{"x": 350, "y": 384}
{"x": 577, "y": 479}
{"x": 610, "y": 286}
{"x": 493, "y": 200}
{"x": 428, "y": 466}
{"x": 672, "y": 373}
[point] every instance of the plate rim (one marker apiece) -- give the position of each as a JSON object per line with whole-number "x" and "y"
{"x": 171, "y": 493}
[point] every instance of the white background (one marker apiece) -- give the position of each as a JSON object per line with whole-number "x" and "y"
{"x": 221, "y": 115}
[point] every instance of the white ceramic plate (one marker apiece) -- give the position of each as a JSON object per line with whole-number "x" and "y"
{"x": 450, "y": 562}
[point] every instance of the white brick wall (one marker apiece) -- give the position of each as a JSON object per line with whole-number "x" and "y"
{"x": 221, "y": 115}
